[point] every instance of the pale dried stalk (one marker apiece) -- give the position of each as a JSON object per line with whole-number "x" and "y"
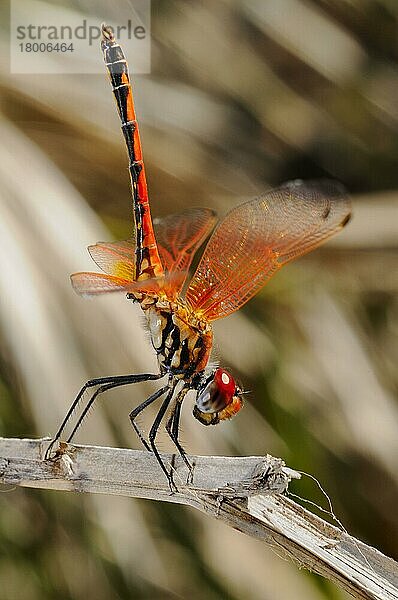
{"x": 245, "y": 493}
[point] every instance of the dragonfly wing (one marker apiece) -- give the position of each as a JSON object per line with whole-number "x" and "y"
{"x": 259, "y": 237}
{"x": 179, "y": 236}
{"x": 115, "y": 258}
{"x": 94, "y": 284}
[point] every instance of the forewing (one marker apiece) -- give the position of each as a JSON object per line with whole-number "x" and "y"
{"x": 115, "y": 258}
{"x": 179, "y": 236}
{"x": 259, "y": 237}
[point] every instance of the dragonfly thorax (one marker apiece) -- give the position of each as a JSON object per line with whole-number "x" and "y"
{"x": 181, "y": 341}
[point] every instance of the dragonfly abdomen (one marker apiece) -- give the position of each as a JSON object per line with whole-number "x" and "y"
{"x": 148, "y": 263}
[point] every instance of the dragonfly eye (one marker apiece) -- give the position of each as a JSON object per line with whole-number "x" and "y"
{"x": 218, "y": 398}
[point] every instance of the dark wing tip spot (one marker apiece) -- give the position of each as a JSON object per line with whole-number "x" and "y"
{"x": 346, "y": 220}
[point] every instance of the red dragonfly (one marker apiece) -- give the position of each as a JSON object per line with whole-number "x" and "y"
{"x": 252, "y": 242}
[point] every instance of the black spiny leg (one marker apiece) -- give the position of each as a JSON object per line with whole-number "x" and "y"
{"x": 105, "y": 383}
{"x": 172, "y": 428}
{"x": 134, "y": 414}
{"x": 152, "y": 437}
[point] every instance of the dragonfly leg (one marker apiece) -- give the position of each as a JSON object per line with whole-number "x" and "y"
{"x": 152, "y": 438}
{"x": 172, "y": 428}
{"x": 134, "y": 414}
{"x": 103, "y": 382}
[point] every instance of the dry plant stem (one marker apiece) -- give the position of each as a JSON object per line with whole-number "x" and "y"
{"x": 245, "y": 493}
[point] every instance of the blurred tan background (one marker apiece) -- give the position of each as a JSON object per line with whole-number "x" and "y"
{"x": 243, "y": 95}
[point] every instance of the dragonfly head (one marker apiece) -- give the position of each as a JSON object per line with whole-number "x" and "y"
{"x": 218, "y": 398}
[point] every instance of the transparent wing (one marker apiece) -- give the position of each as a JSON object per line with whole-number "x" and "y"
{"x": 259, "y": 237}
{"x": 94, "y": 284}
{"x": 115, "y": 258}
{"x": 179, "y": 236}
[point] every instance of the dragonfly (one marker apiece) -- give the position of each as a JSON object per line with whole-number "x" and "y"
{"x": 243, "y": 252}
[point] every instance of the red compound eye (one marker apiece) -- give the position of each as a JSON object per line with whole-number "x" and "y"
{"x": 218, "y": 398}
{"x": 216, "y": 392}
{"x": 225, "y": 383}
